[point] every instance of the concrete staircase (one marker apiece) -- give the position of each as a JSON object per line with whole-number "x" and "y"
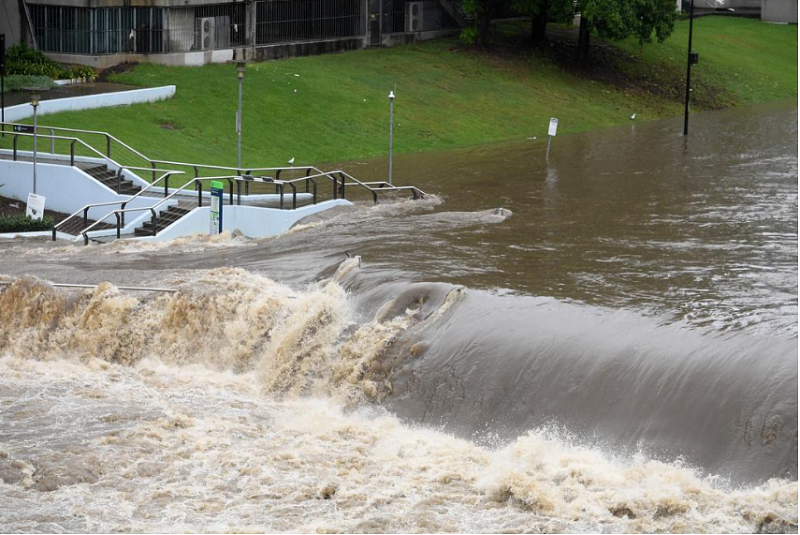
{"x": 166, "y": 218}
{"x": 109, "y": 178}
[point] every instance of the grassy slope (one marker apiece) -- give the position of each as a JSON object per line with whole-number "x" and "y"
{"x": 336, "y": 109}
{"x": 744, "y": 61}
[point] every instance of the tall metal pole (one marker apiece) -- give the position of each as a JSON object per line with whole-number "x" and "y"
{"x": 239, "y": 126}
{"x": 689, "y": 60}
{"x": 35, "y": 105}
{"x": 3, "y": 80}
{"x": 391, "y": 132}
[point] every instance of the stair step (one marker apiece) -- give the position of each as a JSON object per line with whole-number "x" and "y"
{"x": 177, "y": 211}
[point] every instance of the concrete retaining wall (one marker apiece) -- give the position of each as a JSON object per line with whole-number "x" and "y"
{"x": 779, "y": 11}
{"x": 175, "y": 59}
{"x": 104, "y": 100}
{"x": 68, "y": 189}
{"x": 251, "y": 221}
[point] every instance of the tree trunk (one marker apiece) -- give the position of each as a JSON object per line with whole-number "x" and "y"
{"x": 583, "y": 42}
{"x": 485, "y": 24}
{"x": 539, "y": 22}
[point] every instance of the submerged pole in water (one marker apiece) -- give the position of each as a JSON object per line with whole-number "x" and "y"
{"x": 391, "y": 132}
{"x": 691, "y": 59}
{"x": 551, "y": 133}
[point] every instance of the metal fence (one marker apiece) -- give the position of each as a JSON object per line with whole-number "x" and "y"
{"x": 404, "y": 16}
{"x": 140, "y": 30}
{"x": 281, "y": 21}
{"x": 154, "y": 30}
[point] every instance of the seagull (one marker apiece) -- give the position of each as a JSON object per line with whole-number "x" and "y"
{"x": 291, "y": 162}
{"x": 633, "y": 117}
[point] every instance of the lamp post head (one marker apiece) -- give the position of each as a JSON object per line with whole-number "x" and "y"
{"x": 36, "y": 94}
{"x": 391, "y": 95}
{"x": 241, "y": 65}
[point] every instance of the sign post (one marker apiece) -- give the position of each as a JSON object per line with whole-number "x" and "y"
{"x": 3, "y": 79}
{"x": 35, "y": 207}
{"x": 551, "y": 133}
{"x": 215, "y": 222}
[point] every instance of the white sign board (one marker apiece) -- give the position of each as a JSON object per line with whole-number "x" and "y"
{"x": 35, "y": 208}
{"x": 553, "y": 126}
{"x": 213, "y": 228}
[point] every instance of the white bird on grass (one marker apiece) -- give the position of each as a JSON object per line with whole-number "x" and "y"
{"x": 291, "y": 162}
{"x": 633, "y": 117}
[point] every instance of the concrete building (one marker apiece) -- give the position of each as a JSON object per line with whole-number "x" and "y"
{"x": 779, "y": 11}
{"x": 102, "y": 33}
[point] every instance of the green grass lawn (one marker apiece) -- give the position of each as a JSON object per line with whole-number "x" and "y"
{"x": 335, "y": 107}
{"x": 742, "y": 61}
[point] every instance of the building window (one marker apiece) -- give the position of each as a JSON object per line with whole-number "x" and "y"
{"x": 285, "y": 21}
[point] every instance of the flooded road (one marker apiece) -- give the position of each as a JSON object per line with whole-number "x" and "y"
{"x": 614, "y": 349}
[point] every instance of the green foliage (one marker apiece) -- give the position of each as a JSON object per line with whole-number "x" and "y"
{"x": 84, "y": 72}
{"x": 25, "y": 61}
{"x": 22, "y": 223}
{"x": 21, "y": 59}
{"x": 615, "y": 20}
{"x": 18, "y": 82}
{"x": 560, "y": 11}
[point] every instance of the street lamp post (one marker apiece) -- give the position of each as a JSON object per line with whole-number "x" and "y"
{"x": 692, "y": 59}
{"x": 391, "y": 132}
{"x": 241, "y": 65}
{"x": 36, "y": 96}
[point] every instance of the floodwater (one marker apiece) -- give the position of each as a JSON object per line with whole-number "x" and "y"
{"x": 614, "y": 349}
{"x": 13, "y": 98}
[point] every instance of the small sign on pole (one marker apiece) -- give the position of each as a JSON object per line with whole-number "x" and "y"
{"x": 551, "y": 132}
{"x": 35, "y": 207}
{"x": 215, "y": 222}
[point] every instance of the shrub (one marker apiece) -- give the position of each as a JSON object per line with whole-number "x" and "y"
{"x": 18, "y": 82}
{"x": 21, "y": 59}
{"x": 22, "y": 223}
{"x": 85, "y": 72}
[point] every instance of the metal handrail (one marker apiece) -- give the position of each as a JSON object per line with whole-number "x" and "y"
{"x": 86, "y": 208}
{"x": 382, "y": 186}
{"x": 122, "y": 204}
{"x": 153, "y": 207}
{"x": 73, "y": 141}
{"x": 109, "y": 137}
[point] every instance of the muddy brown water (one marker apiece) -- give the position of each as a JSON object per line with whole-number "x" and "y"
{"x": 13, "y": 98}
{"x": 615, "y": 349}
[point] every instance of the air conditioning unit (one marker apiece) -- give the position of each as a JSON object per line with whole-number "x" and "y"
{"x": 204, "y": 33}
{"x": 414, "y": 17}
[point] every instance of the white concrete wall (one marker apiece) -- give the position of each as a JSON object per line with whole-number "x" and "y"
{"x": 779, "y": 11}
{"x": 67, "y": 189}
{"x": 44, "y": 153}
{"x": 251, "y": 221}
{"x": 87, "y": 102}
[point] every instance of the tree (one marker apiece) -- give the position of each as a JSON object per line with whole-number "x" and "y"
{"x": 480, "y": 14}
{"x": 542, "y": 12}
{"x": 614, "y": 20}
